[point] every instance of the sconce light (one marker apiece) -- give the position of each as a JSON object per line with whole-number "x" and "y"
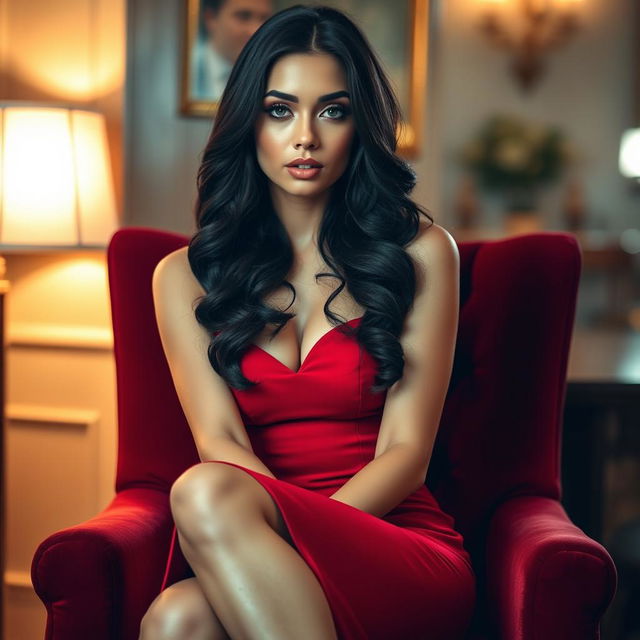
{"x": 56, "y": 186}
{"x": 548, "y": 24}
{"x": 629, "y": 158}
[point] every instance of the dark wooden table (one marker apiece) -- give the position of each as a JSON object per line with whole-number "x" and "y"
{"x": 601, "y": 425}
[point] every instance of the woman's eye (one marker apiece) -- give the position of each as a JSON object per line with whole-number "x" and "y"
{"x": 275, "y": 107}
{"x": 343, "y": 111}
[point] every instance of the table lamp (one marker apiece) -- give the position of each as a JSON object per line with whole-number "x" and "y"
{"x": 56, "y": 185}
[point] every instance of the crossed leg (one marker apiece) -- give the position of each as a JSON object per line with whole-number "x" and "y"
{"x": 182, "y": 612}
{"x": 245, "y": 563}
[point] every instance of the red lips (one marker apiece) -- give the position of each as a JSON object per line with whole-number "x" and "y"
{"x": 309, "y": 161}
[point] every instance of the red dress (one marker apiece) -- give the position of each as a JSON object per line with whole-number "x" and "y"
{"x": 405, "y": 575}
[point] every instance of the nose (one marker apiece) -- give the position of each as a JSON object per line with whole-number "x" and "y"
{"x": 305, "y": 135}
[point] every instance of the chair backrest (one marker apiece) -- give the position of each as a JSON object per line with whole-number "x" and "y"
{"x": 500, "y": 430}
{"x": 154, "y": 441}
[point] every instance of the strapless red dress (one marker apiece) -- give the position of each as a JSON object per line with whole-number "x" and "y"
{"x": 403, "y": 576}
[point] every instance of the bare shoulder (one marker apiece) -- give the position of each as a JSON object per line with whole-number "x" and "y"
{"x": 176, "y": 262}
{"x": 434, "y": 247}
{"x": 173, "y": 272}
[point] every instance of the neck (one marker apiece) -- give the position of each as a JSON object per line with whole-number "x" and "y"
{"x": 301, "y": 217}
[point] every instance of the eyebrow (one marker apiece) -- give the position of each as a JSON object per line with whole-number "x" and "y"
{"x": 292, "y": 98}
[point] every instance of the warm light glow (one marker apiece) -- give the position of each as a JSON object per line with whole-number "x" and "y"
{"x": 629, "y": 158}
{"x": 94, "y": 178}
{"x": 75, "y": 52}
{"x": 538, "y": 6}
{"x": 38, "y": 186}
{"x": 66, "y": 289}
{"x": 529, "y": 30}
{"x": 56, "y": 187}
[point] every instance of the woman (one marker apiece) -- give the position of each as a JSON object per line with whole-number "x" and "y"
{"x": 309, "y": 517}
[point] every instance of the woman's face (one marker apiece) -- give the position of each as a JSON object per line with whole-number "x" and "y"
{"x": 308, "y": 122}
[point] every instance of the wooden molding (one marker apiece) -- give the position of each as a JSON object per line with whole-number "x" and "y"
{"x": 18, "y": 579}
{"x": 31, "y": 334}
{"x": 51, "y": 415}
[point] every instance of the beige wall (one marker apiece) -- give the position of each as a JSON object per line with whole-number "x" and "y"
{"x": 60, "y": 429}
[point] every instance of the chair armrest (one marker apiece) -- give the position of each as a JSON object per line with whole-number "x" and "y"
{"x": 545, "y": 577}
{"x": 96, "y": 579}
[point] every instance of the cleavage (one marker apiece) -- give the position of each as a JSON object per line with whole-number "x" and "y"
{"x": 287, "y": 346}
{"x": 281, "y": 351}
{"x": 311, "y": 296}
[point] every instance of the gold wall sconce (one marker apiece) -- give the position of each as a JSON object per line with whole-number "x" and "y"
{"x": 546, "y": 25}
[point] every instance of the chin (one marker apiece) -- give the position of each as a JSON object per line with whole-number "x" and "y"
{"x": 304, "y": 185}
{"x": 308, "y": 191}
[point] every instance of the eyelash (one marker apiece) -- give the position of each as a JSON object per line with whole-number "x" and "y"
{"x": 345, "y": 110}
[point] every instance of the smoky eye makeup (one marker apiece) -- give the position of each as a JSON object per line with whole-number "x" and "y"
{"x": 279, "y": 107}
{"x": 276, "y": 107}
{"x": 344, "y": 109}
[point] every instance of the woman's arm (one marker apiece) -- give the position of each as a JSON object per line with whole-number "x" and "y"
{"x": 206, "y": 400}
{"x": 229, "y": 450}
{"x": 384, "y": 482}
{"x": 414, "y": 404}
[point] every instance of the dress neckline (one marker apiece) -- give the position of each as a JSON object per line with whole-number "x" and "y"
{"x": 321, "y": 339}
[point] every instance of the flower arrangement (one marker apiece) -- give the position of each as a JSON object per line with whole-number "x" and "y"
{"x": 512, "y": 155}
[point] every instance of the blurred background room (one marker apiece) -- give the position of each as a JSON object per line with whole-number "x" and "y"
{"x": 519, "y": 116}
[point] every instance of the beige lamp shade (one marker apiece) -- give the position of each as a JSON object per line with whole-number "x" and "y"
{"x": 629, "y": 158}
{"x": 56, "y": 184}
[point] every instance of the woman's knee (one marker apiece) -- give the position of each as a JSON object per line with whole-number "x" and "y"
{"x": 181, "y": 612}
{"x": 210, "y": 501}
{"x": 202, "y": 484}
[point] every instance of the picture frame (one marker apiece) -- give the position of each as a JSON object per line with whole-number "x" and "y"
{"x": 398, "y": 32}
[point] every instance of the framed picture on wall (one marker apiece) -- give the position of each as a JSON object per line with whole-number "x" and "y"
{"x": 215, "y": 31}
{"x": 398, "y": 31}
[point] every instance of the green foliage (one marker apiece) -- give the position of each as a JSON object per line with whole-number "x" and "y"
{"x": 512, "y": 155}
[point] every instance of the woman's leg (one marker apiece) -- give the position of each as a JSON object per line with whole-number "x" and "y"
{"x": 234, "y": 537}
{"x": 181, "y": 612}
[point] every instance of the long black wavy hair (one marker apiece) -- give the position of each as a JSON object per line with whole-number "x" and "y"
{"x": 241, "y": 252}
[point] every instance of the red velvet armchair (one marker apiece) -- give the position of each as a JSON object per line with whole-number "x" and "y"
{"x": 495, "y": 466}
